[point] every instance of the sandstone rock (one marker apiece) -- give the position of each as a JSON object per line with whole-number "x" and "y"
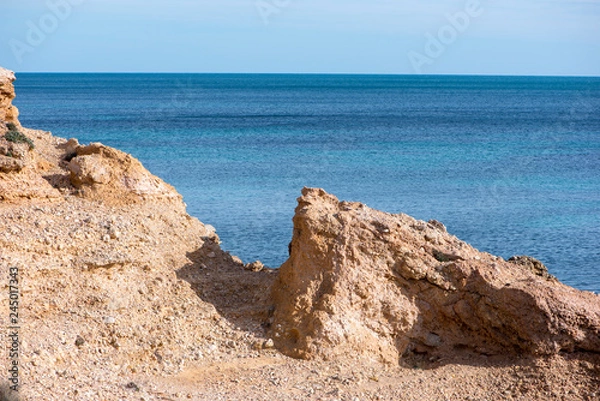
{"x": 105, "y": 261}
{"x": 56, "y": 206}
{"x": 360, "y": 282}
{"x": 8, "y": 112}
{"x": 254, "y": 266}
{"x": 22, "y": 172}
{"x": 26, "y": 184}
{"x": 70, "y": 147}
{"x": 9, "y": 164}
{"x": 113, "y": 176}
{"x": 168, "y": 304}
{"x": 88, "y": 170}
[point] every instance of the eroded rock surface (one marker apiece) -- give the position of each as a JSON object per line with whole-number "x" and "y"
{"x": 8, "y": 112}
{"x": 116, "y": 280}
{"x": 360, "y": 282}
{"x": 36, "y": 165}
{"x": 102, "y": 172}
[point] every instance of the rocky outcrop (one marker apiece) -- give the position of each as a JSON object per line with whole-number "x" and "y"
{"x": 360, "y": 282}
{"x": 123, "y": 295}
{"x": 21, "y": 167}
{"x": 533, "y": 265}
{"x": 8, "y": 112}
{"x": 14, "y": 145}
{"x": 105, "y": 173}
{"x": 36, "y": 165}
{"x": 117, "y": 279}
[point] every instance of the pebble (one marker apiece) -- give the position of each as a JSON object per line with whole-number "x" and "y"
{"x": 430, "y": 238}
{"x": 255, "y": 266}
{"x": 109, "y": 320}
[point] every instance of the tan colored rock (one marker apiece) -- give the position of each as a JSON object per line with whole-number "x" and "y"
{"x": 9, "y": 164}
{"x": 107, "y": 253}
{"x": 113, "y": 176}
{"x": 13, "y": 156}
{"x": 89, "y": 170}
{"x": 8, "y": 112}
{"x": 70, "y": 147}
{"x": 255, "y": 266}
{"x": 361, "y": 282}
{"x": 27, "y": 184}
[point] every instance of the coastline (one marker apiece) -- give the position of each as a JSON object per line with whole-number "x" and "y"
{"x": 125, "y": 296}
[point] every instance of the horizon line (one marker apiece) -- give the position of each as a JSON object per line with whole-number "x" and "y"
{"x": 316, "y": 73}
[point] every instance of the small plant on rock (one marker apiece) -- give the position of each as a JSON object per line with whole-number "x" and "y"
{"x": 15, "y": 136}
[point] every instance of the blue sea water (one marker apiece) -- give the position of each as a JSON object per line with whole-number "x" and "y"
{"x": 509, "y": 164}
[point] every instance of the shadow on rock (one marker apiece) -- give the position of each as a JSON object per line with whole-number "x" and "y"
{"x": 241, "y": 296}
{"x": 59, "y": 181}
{"x": 365, "y": 284}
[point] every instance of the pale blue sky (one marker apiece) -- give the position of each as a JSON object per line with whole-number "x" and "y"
{"x": 517, "y": 37}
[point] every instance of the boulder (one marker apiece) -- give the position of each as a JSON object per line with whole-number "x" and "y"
{"x": 108, "y": 174}
{"x": 368, "y": 284}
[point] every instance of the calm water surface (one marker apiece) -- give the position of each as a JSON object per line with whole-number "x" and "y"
{"x": 509, "y": 164}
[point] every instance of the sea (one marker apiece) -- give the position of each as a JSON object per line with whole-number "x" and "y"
{"x": 509, "y": 164}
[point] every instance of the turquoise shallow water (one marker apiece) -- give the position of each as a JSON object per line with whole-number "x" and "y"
{"x": 509, "y": 164}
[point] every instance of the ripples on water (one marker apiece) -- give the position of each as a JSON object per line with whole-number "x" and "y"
{"x": 509, "y": 164}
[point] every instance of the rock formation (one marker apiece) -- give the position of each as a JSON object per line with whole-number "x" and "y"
{"x": 39, "y": 165}
{"x": 124, "y": 296}
{"x": 105, "y": 173}
{"x": 117, "y": 279}
{"x": 8, "y": 112}
{"x": 360, "y": 282}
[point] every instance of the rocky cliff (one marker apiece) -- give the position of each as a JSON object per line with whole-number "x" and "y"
{"x": 117, "y": 280}
{"x": 124, "y": 296}
{"x": 8, "y": 112}
{"x": 360, "y": 282}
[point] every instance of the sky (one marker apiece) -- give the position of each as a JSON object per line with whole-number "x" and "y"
{"x": 492, "y": 37}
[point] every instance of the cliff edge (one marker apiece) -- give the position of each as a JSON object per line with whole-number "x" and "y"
{"x": 116, "y": 280}
{"x": 121, "y": 295}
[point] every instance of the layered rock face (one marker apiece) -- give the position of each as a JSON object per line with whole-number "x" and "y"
{"x": 8, "y": 112}
{"x": 360, "y": 282}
